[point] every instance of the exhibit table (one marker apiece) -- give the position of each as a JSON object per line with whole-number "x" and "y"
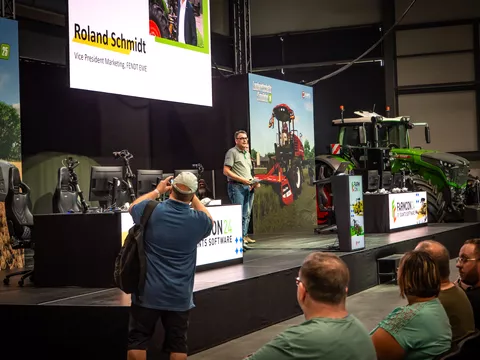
{"x": 385, "y": 213}
{"x": 80, "y": 249}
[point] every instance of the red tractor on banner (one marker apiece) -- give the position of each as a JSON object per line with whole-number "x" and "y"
{"x": 286, "y": 174}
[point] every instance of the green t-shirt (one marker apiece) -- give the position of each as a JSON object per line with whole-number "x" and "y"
{"x": 320, "y": 339}
{"x": 421, "y": 329}
{"x": 240, "y": 162}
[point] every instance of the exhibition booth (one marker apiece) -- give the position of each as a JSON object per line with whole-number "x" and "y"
{"x": 136, "y": 105}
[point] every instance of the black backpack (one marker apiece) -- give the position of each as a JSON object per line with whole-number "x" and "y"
{"x": 130, "y": 264}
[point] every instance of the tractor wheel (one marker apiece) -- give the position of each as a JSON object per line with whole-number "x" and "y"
{"x": 324, "y": 172}
{"x": 158, "y": 22}
{"x": 435, "y": 200}
{"x": 295, "y": 178}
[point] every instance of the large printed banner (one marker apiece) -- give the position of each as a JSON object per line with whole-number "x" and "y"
{"x": 408, "y": 209}
{"x": 282, "y": 147}
{"x": 155, "y": 49}
{"x": 10, "y": 146}
{"x": 224, "y": 243}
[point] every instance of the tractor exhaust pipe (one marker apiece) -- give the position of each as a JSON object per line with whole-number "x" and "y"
{"x": 375, "y": 131}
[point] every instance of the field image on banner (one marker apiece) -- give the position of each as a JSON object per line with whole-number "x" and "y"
{"x": 283, "y": 150}
{"x": 10, "y": 140}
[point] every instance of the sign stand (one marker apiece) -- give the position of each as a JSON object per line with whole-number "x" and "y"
{"x": 348, "y": 204}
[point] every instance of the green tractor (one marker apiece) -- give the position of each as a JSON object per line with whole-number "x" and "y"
{"x": 443, "y": 176}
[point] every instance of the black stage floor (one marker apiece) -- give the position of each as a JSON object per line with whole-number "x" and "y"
{"x": 230, "y": 302}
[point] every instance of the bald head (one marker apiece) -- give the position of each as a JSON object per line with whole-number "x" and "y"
{"x": 439, "y": 253}
{"x": 325, "y": 277}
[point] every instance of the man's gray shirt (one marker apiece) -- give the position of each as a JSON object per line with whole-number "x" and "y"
{"x": 240, "y": 163}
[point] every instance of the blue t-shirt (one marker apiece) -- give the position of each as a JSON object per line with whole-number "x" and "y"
{"x": 171, "y": 237}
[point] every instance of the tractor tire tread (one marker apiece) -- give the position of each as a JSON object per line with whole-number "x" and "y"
{"x": 435, "y": 201}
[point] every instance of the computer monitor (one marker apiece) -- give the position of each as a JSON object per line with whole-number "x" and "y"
{"x": 147, "y": 180}
{"x": 166, "y": 175}
{"x": 193, "y": 171}
{"x": 99, "y": 178}
{"x": 387, "y": 180}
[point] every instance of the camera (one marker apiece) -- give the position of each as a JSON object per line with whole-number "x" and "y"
{"x": 71, "y": 163}
{"x": 122, "y": 154}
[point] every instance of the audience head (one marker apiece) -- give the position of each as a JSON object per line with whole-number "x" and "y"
{"x": 323, "y": 278}
{"x": 440, "y": 254}
{"x": 418, "y": 275}
{"x": 184, "y": 187}
{"x": 468, "y": 262}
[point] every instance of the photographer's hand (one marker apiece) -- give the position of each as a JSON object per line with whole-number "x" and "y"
{"x": 162, "y": 188}
{"x": 197, "y": 205}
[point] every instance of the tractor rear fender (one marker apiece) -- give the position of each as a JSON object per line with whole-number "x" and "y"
{"x": 331, "y": 160}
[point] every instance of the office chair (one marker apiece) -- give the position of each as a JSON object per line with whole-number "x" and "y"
{"x": 65, "y": 197}
{"x": 466, "y": 348}
{"x": 19, "y": 218}
{"x": 469, "y": 346}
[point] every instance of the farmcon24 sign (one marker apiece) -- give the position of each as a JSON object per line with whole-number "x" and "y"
{"x": 408, "y": 209}
{"x": 225, "y": 240}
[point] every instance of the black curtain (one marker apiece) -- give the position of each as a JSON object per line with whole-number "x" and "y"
{"x": 160, "y": 135}
{"x": 182, "y": 135}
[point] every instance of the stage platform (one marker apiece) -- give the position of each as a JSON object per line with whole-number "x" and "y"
{"x": 230, "y": 302}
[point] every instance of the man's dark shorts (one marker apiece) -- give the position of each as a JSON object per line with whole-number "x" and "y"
{"x": 142, "y": 323}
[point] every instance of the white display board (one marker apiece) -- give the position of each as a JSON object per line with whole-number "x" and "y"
{"x": 225, "y": 240}
{"x": 150, "y": 49}
{"x": 407, "y": 209}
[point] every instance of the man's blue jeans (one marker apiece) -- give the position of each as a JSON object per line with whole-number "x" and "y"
{"x": 240, "y": 194}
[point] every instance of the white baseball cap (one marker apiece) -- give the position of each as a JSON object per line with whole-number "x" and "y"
{"x": 186, "y": 179}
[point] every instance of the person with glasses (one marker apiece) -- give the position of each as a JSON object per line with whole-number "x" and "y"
{"x": 468, "y": 265}
{"x": 453, "y": 299}
{"x": 329, "y": 332}
{"x": 238, "y": 169}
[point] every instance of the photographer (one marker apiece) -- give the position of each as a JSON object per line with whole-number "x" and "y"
{"x": 171, "y": 238}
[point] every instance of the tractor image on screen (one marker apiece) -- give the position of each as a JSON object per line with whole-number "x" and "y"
{"x": 163, "y": 19}
{"x": 286, "y": 173}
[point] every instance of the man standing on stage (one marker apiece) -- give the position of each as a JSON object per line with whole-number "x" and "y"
{"x": 238, "y": 170}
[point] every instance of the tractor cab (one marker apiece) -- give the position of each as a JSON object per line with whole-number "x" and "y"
{"x": 373, "y": 130}
{"x": 286, "y": 169}
{"x": 288, "y": 144}
{"x": 372, "y": 142}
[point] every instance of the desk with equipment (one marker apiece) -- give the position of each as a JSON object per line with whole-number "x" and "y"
{"x": 79, "y": 248}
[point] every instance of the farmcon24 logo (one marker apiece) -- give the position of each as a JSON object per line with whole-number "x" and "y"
{"x": 4, "y": 51}
{"x": 222, "y": 227}
{"x": 355, "y": 186}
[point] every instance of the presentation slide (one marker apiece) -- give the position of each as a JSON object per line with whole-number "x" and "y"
{"x": 154, "y": 49}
